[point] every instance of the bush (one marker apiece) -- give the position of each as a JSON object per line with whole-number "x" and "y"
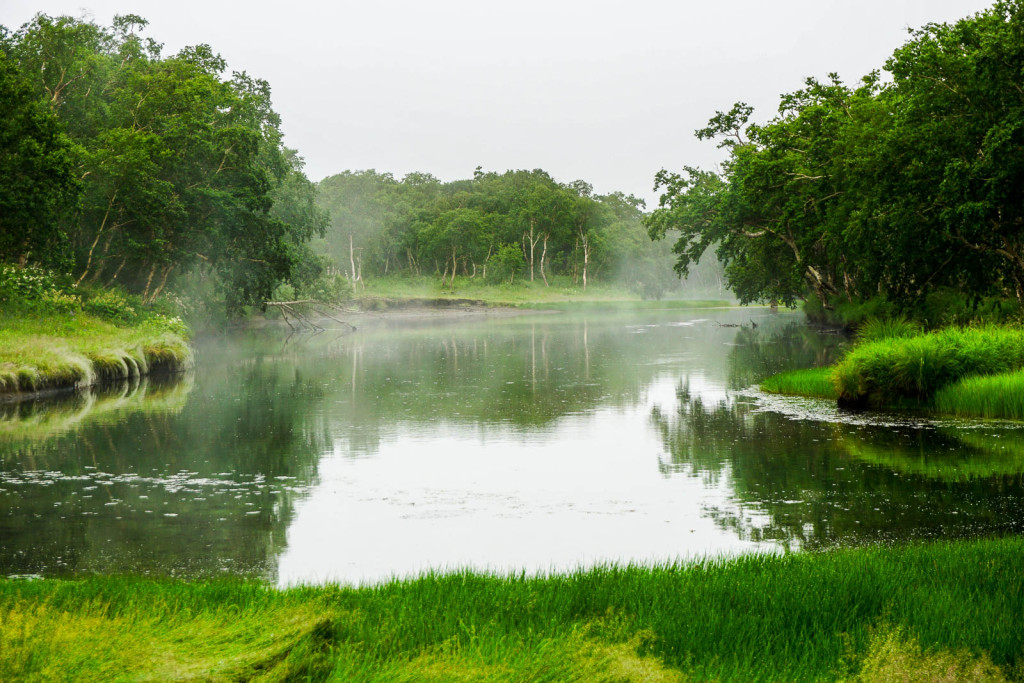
{"x": 111, "y": 305}
{"x": 26, "y": 286}
{"x": 505, "y": 263}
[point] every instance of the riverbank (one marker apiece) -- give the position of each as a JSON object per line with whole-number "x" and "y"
{"x": 963, "y": 372}
{"x": 561, "y": 291}
{"x": 44, "y": 352}
{"x": 949, "y": 611}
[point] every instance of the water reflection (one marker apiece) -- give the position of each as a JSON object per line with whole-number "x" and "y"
{"x": 811, "y": 483}
{"x": 143, "y": 480}
{"x": 535, "y": 442}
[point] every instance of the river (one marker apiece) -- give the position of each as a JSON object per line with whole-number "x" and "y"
{"x": 532, "y": 443}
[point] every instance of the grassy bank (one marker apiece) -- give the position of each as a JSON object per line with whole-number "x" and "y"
{"x": 561, "y": 291}
{"x": 42, "y": 350}
{"x": 54, "y": 335}
{"x": 813, "y": 382}
{"x": 969, "y": 372}
{"x": 947, "y": 611}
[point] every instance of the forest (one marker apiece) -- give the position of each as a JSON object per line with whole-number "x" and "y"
{"x": 498, "y": 227}
{"x": 123, "y": 167}
{"x": 903, "y": 190}
{"x": 167, "y": 175}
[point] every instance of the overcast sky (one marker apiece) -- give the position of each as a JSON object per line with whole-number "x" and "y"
{"x": 609, "y": 92}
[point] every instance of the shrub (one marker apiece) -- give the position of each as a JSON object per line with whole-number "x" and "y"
{"x": 111, "y": 305}
{"x": 25, "y": 285}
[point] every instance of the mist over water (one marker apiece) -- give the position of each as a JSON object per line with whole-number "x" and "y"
{"x": 535, "y": 442}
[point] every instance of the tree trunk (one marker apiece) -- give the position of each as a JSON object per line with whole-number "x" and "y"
{"x": 352, "y": 260}
{"x": 543, "y": 254}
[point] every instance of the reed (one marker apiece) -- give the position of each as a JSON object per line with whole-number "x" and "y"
{"x": 864, "y": 614}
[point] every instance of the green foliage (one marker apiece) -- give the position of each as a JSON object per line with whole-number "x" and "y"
{"x": 885, "y": 372}
{"x": 111, "y": 305}
{"x": 184, "y": 176}
{"x": 952, "y": 609}
{"x": 814, "y": 382}
{"x": 893, "y": 190}
{"x": 506, "y": 262}
{"x": 381, "y": 226}
{"x": 37, "y": 174}
{"x": 25, "y": 286}
{"x": 996, "y": 396}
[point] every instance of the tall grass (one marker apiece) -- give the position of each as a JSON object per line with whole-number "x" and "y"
{"x": 999, "y": 396}
{"x": 814, "y": 382}
{"x": 886, "y": 372}
{"x": 874, "y": 613}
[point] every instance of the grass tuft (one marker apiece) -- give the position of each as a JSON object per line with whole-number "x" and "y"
{"x": 897, "y": 370}
{"x": 999, "y": 396}
{"x": 50, "y": 351}
{"x": 814, "y": 382}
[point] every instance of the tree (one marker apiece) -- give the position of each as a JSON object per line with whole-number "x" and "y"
{"x": 37, "y": 160}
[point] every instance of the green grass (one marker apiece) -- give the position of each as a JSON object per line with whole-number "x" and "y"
{"x": 890, "y": 371}
{"x": 955, "y": 609}
{"x": 40, "y": 351}
{"x": 998, "y": 396}
{"x": 814, "y": 382}
{"x": 964, "y": 372}
{"x": 521, "y": 293}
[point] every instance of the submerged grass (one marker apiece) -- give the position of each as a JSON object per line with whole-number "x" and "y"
{"x": 814, "y": 382}
{"x": 50, "y": 351}
{"x": 952, "y": 610}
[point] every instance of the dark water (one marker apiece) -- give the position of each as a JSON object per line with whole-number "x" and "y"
{"x": 536, "y": 442}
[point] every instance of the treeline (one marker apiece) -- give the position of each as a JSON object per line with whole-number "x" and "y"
{"x": 898, "y": 189}
{"x": 498, "y": 227}
{"x": 124, "y": 167}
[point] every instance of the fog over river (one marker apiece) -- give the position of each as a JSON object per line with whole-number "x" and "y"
{"x": 531, "y": 442}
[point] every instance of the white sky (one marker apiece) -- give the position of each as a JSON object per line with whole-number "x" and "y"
{"x": 609, "y": 92}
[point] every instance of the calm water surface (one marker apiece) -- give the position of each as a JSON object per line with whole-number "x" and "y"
{"x": 539, "y": 442}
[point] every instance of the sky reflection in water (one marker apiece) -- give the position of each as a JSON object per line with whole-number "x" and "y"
{"x": 537, "y": 443}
